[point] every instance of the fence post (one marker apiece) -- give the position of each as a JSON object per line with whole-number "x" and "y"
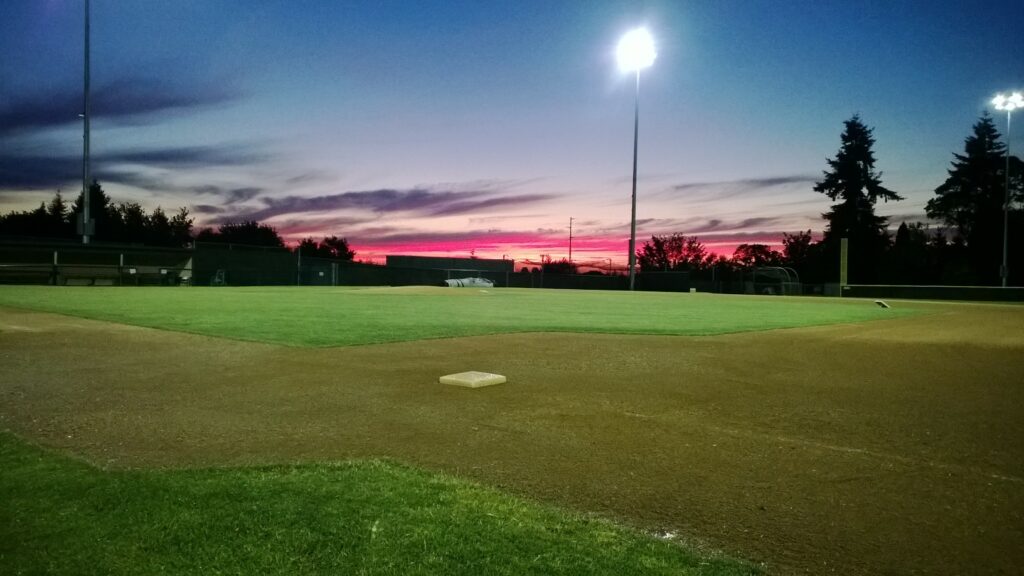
{"x": 55, "y": 275}
{"x": 298, "y": 266}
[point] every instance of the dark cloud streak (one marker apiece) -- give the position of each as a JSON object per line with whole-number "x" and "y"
{"x": 44, "y": 172}
{"x": 424, "y": 201}
{"x": 124, "y": 100}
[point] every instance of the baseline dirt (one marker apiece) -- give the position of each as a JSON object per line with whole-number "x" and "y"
{"x": 888, "y": 447}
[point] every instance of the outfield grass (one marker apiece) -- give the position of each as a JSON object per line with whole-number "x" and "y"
{"x": 59, "y": 516}
{"x": 314, "y": 316}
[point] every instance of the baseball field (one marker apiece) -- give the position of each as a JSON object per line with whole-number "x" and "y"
{"x": 303, "y": 430}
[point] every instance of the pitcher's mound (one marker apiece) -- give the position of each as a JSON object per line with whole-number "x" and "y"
{"x": 473, "y": 379}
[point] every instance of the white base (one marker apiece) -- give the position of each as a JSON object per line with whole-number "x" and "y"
{"x": 473, "y": 379}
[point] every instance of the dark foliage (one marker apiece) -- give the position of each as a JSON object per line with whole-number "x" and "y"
{"x": 563, "y": 266}
{"x": 250, "y": 233}
{"x": 756, "y": 255}
{"x": 854, "y": 183}
{"x": 124, "y": 222}
{"x": 673, "y": 252}
{"x": 330, "y": 247}
{"x": 971, "y": 199}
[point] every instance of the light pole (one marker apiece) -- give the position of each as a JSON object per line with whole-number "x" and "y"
{"x": 85, "y": 137}
{"x": 1008, "y": 103}
{"x": 635, "y": 52}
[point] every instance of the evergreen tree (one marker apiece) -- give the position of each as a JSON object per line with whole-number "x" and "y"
{"x": 972, "y": 197}
{"x": 101, "y": 211}
{"x": 853, "y": 181}
{"x": 57, "y": 210}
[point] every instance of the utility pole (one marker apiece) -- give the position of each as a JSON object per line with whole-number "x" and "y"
{"x": 570, "y": 239}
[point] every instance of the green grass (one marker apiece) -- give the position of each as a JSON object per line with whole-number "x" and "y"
{"x": 350, "y": 316}
{"x": 59, "y": 516}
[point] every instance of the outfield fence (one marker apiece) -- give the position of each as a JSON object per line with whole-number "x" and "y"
{"x": 69, "y": 264}
{"x": 911, "y": 292}
{"x": 35, "y": 261}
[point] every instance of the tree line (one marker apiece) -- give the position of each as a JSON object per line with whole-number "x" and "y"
{"x": 966, "y": 250}
{"x": 129, "y": 223}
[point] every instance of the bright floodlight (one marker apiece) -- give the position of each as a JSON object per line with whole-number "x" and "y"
{"x": 1008, "y": 103}
{"x": 636, "y": 50}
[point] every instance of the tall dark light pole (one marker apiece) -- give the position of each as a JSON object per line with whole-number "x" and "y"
{"x": 1008, "y": 103}
{"x": 85, "y": 139}
{"x": 635, "y": 52}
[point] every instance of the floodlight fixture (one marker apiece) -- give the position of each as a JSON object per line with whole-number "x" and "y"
{"x": 636, "y": 50}
{"x": 1009, "y": 104}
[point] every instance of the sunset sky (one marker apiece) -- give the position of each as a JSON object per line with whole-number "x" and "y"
{"x": 443, "y": 128}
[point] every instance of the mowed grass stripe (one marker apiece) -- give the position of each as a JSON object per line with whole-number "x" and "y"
{"x": 320, "y": 316}
{"x": 59, "y": 516}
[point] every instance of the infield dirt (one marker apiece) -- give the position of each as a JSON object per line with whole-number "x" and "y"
{"x": 883, "y": 447}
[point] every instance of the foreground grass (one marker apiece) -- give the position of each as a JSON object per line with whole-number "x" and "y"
{"x": 314, "y": 316}
{"x": 59, "y": 516}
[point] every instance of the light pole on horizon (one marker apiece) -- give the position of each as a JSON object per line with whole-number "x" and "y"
{"x": 1008, "y": 103}
{"x": 635, "y": 52}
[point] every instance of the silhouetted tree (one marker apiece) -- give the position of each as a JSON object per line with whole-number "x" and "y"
{"x": 101, "y": 211}
{"x": 122, "y": 222}
{"x": 250, "y": 232}
{"x": 158, "y": 228}
{"x": 562, "y": 266}
{"x": 675, "y": 252}
{"x": 181, "y": 228}
{"x": 339, "y": 248}
{"x": 754, "y": 255}
{"x": 310, "y": 248}
{"x": 797, "y": 250}
{"x": 911, "y": 259}
{"x": 59, "y": 225}
{"x": 130, "y": 224}
{"x": 330, "y": 247}
{"x": 801, "y": 253}
{"x": 972, "y": 197}
{"x": 853, "y": 181}
{"x": 27, "y": 223}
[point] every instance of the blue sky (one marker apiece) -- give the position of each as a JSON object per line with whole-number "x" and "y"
{"x": 446, "y": 127}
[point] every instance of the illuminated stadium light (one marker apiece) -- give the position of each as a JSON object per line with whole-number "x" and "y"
{"x": 636, "y": 50}
{"x": 1009, "y": 104}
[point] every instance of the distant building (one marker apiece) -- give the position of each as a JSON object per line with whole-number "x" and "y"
{"x": 439, "y": 263}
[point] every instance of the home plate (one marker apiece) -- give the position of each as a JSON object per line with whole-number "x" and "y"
{"x": 473, "y": 379}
